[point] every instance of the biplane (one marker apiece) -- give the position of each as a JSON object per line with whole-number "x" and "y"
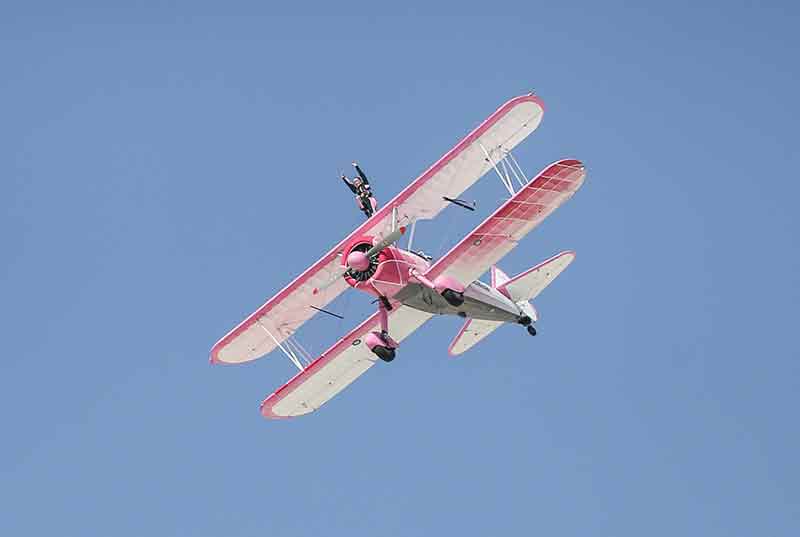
{"x": 409, "y": 287}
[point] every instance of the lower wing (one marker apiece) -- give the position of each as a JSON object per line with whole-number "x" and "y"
{"x": 337, "y": 367}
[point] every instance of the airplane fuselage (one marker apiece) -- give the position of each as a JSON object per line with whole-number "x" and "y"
{"x": 392, "y": 275}
{"x": 480, "y": 302}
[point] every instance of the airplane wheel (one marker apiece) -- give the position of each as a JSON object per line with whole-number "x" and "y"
{"x": 531, "y": 330}
{"x": 453, "y": 298}
{"x": 384, "y": 353}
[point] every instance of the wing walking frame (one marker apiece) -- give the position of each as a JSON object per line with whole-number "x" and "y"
{"x": 487, "y": 147}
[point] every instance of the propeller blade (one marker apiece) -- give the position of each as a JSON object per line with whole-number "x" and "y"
{"x": 388, "y": 240}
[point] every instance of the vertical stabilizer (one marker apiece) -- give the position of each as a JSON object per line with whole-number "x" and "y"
{"x": 498, "y": 277}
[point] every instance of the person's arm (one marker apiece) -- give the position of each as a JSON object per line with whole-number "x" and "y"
{"x": 349, "y": 185}
{"x": 361, "y": 173}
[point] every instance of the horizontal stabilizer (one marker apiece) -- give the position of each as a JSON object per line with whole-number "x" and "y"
{"x": 472, "y": 332}
{"x": 529, "y": 284}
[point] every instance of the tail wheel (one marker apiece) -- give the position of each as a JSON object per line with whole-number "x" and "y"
{"x": 531, "y": 330}
{"x": 454, "y": 298}
{"x": 384, "y": 353}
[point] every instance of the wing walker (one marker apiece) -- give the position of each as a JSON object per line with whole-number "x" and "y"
{"x": 408, "y": 286}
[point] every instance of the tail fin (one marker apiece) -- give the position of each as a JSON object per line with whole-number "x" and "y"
{"x": 498, "y": 277}
{"x": 529, "y": 284}
{"x": 475, "y": 330}
{"x": 521, "y": 288}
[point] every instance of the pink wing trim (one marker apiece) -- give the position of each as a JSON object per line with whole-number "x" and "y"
{"x": 384, "y": 212}
{"x": 464, "y": 328}
{"x": 500, "y": 232}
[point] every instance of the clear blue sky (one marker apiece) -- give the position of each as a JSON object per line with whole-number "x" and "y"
{"x": 165, "y": 170}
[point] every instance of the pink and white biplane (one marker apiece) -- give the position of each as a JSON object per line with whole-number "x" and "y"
{"x": 410, "y": 289}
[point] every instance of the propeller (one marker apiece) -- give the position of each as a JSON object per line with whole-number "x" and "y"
{"x": 360, "y": 261}
{"x": 388, "y": 240}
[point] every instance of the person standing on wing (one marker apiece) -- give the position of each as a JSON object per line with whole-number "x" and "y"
{"x": 361, "y": 188}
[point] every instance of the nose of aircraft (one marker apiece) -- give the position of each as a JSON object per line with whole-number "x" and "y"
{"x": 358, "y": 261}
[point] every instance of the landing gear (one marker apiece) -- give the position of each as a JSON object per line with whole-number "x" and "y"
{"x": 528, "y": 324}
{"x": 381, "y": 343}
{"x": 454, "y": 298}
{"x": 384, "y": 353}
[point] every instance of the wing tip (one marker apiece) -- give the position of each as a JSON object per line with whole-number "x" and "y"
{"x": 266, "y": 410}
{"x": 450, "y": 348}
{"x": 213, "y": 357}
{"x": 529, "y": 97}
{"x": 569, "y": 253}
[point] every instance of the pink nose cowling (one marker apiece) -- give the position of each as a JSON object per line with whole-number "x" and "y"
{"x": 358, "y": 261}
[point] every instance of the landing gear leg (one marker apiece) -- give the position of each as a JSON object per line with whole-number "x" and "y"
{"x": 384, "y": 346}
{"x": 367, "y": 207}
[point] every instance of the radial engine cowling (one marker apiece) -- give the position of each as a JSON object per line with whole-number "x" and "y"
{"x": 361, "y": 267}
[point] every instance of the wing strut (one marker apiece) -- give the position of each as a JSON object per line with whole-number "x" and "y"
{"x": 515, "y": 167}
{"x": 503, "y": 178}
{"x": 510, "y": 167}
{"x": 411, "y": 235}
{"x": 296, "y": 353}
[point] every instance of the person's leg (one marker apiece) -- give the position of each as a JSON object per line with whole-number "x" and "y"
{"x": 366, "y": 206}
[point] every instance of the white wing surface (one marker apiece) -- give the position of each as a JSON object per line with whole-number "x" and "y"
{"x": 471, "y": 333}
{"x": 337, "y": 367}
{"x": 529, "y": 284}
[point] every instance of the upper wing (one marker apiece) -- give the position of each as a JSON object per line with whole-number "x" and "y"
{"x": 456, "y": 171}
{"x": 337, "y": 367}
{"x": 500, "y": 233}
